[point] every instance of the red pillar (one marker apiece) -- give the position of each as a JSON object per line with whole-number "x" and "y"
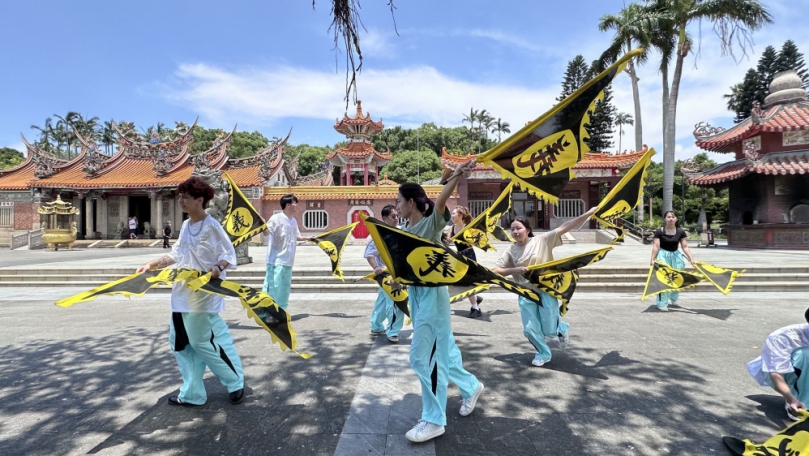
{"x": 377, "y": 174}
{"x": 365, "y": 172}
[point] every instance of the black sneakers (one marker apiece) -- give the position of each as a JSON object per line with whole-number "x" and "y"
{"x": 475, "y": 313}
{"x": 237, "y": 397}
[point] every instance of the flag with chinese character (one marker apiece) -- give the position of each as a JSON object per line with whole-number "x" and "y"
{"x": 561, "y": 286}
{"x": 417, "y": 261}
{"x": 540, "y": 156}
{"x": 624, "y": 196}
{"x": 567, "y": 264}
{"x": 132, "y": 285}
{"x": 242, "y": 221}
{"x": 398, "y": 295}
{"x": 792, "y": 441}
{"x": 259, "y": 305}
{"x": 458, "y": 293}
{"x": 663, "y": 279}
{"x": 333, "y": 244}
{"x": 721, "y": 278}
{"x": 486, "y": 224}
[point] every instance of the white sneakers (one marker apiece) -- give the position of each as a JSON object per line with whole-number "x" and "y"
{"x": 663, "y": 309}
{"x": 538, "y": 362}
{"x": 468, "y": 405}
{"x": 377, "y": 333}
{"x": 424, "y": 431}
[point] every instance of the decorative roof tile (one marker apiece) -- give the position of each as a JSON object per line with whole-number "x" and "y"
{"x": 777, "y": 118}
{"x": 779, "y": 163}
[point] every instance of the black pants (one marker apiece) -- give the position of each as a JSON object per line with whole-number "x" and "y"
{"x": 165, "y": 241}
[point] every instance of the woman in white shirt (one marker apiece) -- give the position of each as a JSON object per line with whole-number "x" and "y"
{"x": 198, "y": 335}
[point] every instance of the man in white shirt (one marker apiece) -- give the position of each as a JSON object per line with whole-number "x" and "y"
{"x": 283, "y": 233}
{"x": 784, "y": 365}
{"x": 198, "y": 335}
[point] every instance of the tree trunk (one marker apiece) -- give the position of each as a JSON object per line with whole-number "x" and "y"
{"x": 636, "y": 96}
{"x": 669, "y": 133}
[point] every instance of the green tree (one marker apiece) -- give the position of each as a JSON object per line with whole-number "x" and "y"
{"x": 576, "y": 75}
{"x": 789, "y": 58}
{"x": 312, "y": 158}
{"x": 10, "y": 158}
{"x": 742, "y": 95}
{"x": 766, "y": 68}
{"x": 602, "y": 119}
{"x": 501, "y": 127}
{"x": 412, "y": 166}
{"x": 629, "y": 33}
{"x": 246, "y": 144}
{"x": 733, "y": 20}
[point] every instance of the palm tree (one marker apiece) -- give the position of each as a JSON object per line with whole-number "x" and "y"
{"x": 108, "y": 136}
{"x": 622, "y": 119}
{"x": 733, "y": 20}
{"x": 629, "y": 33}
{"x": 501, "y": 127}
{"x": 45, "y": 135}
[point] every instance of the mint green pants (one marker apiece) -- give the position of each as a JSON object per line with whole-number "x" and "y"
{"x": 675, "y": 260}
{"x": 385, "y": 309}
{"x": 539, "y": 322}
{"x": 798, "y": 381}
{"x": 278, "y": 283}
{"x": 209, "y": 344}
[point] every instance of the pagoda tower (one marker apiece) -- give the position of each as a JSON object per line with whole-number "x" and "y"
{"x": 358, "y": 157}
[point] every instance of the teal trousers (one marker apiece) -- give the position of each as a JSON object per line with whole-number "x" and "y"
{"x": 539, "y": 322}
{"x": 385, "y": 309}
{"x": 278, "y": 283}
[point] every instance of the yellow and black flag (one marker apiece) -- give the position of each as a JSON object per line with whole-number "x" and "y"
{"x": 566, "y": 264}
{"x": 260, "y": 307}
{"x": 561, "y": 286}
{"x": 242, "y": 220}
{"x": 624, "y": 196}
{"x": 793, "y": 441}
{"x": 486, "y": 224}
{"x": 663, "y": 279}
{"x": 458, "y": 293}
{"x": 416, "y": 261}
{"x": 721, "y": 278}
{"x": 333, "y": 243}
{"x": 133, "y": 285}
{"x": 540, "y": 156}
{"x": 399, "y": 295}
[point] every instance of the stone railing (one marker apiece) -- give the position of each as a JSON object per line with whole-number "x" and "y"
{"x": 19, "y": 240}
{"x": 35, "y": 240}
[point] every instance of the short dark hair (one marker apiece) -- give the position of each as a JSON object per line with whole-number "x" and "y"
{"x": 288, "y": 199}
{"x": 806, "y": 315}
{"x": 196, "y": 187}
{"x": 387, "y": 210}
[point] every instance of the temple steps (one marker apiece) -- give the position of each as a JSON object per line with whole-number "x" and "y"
{"x": 319, "y": 280}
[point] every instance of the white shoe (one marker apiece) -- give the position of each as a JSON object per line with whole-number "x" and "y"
{"x": 538, "y": 362}
{"x": 563, "y": 340}
{"x": 663, "y": 309}
{"x": 468, "y": 405}
{"x": 424, "y": 431}
{"x": 393, "y": 339}
{"x": 377, "y": 333}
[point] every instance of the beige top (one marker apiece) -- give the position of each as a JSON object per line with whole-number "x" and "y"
{"x": 538, "y": 250}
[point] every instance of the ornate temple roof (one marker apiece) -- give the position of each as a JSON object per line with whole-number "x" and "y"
{"x": 386, "y": 181}
{"x": 785, "y": 109}
{"x": 37, "y": 163}
{"x": 360, "y": 124}
{"x": 357, "y": 150}
{"x": 322, "y": 178}
{"x": 777, "y": 163}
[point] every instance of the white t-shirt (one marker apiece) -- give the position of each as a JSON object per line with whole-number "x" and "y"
{"x": 538, "y": 250}
{"x": 283, "y": 239}
{"x": 776, "y": 354}
{"x": 371, "y": 251}
{"x": 200, "y": 246}
{"x": 132, "y": 224}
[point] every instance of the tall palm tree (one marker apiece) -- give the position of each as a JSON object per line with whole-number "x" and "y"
{"x": 45, "y": 134}
{"x": 629, "y": 33}
{"x": 108, "y": 136}
{"x": 501, "y": 127}
{"x": 622, "y": 119}
{"x": 474, "y": 116}
{"x": 733, "y": 20}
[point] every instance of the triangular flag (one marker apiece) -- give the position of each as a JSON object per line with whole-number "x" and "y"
{"x": 721, "y": 278}
{"x": 458, "y": 293}
{"x": 333, "y": 243}
{"x": 242, "y": 221}
{"x": 624, "y": 196}
{"x": 663, "y": 278}
{"x": 416, "y": 261}
{"x": 567, "y": 264}
{"x": 132, "y": 285}
{"x": 792, "y": 441}
{"x": 477, "y": 232}
{"x": 399, "y": 295}
{"x": 540, "y": 156}
{"x": 560, "y": 286}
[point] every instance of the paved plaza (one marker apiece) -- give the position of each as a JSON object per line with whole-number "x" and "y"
{"x": 95, "y": 378}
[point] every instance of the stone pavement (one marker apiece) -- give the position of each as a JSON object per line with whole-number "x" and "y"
{"x": 95, "y": 377}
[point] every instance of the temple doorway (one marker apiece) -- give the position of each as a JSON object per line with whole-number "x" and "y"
{"x": 140, "y": 207}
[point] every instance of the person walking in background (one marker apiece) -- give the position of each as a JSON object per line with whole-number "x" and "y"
{"x": 461, "y": 217}
{"x": 166, "y": 234}
{"x": 283, "y": 233}
{"x": 384, "y": 308}
{"x": 133, "y": 227}
{"x": 667, "y": 242}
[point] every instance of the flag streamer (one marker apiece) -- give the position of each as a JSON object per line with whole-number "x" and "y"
{"x": 399, "y": 295}
{"x": 567, "y": 264}
{"x": 333, "y": 243}
{"x": 624, "y": 196}
{"x": 477, "y": 232}
{"x": 540, "y": 156}
{"x": 793, "y": 440}
{"x": 416, "y": 261}
{"x": 663, "y": 278}
{"x": 722, "y": 278}
{"x": 460, "y": 293}
{"x": 560, "y": 286}
{"x": 242, "y": 221}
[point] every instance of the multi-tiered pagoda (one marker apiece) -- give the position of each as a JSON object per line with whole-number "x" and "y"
{"x": 358, "y": 160}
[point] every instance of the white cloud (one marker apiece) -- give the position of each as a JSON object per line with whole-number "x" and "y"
{"x": 377, "y": 44}
{"x": 505, "y": 38}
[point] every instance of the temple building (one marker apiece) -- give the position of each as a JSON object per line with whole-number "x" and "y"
{"x": 768, "y": 182}
{"x": 140, "y": 180}
{"x": 358, "y": 161}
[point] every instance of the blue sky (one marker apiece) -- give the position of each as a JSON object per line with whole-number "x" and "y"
{"x": 270, "y": 66}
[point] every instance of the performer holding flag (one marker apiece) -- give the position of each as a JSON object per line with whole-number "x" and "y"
{"x": 434, "y": 356}
{"x": 667, "y": 241}
{"x": 198, "y": 336}
{"x": 384, "y": 307}
{"x": 283, "y": 233}
{"x": 538, "y": 322}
